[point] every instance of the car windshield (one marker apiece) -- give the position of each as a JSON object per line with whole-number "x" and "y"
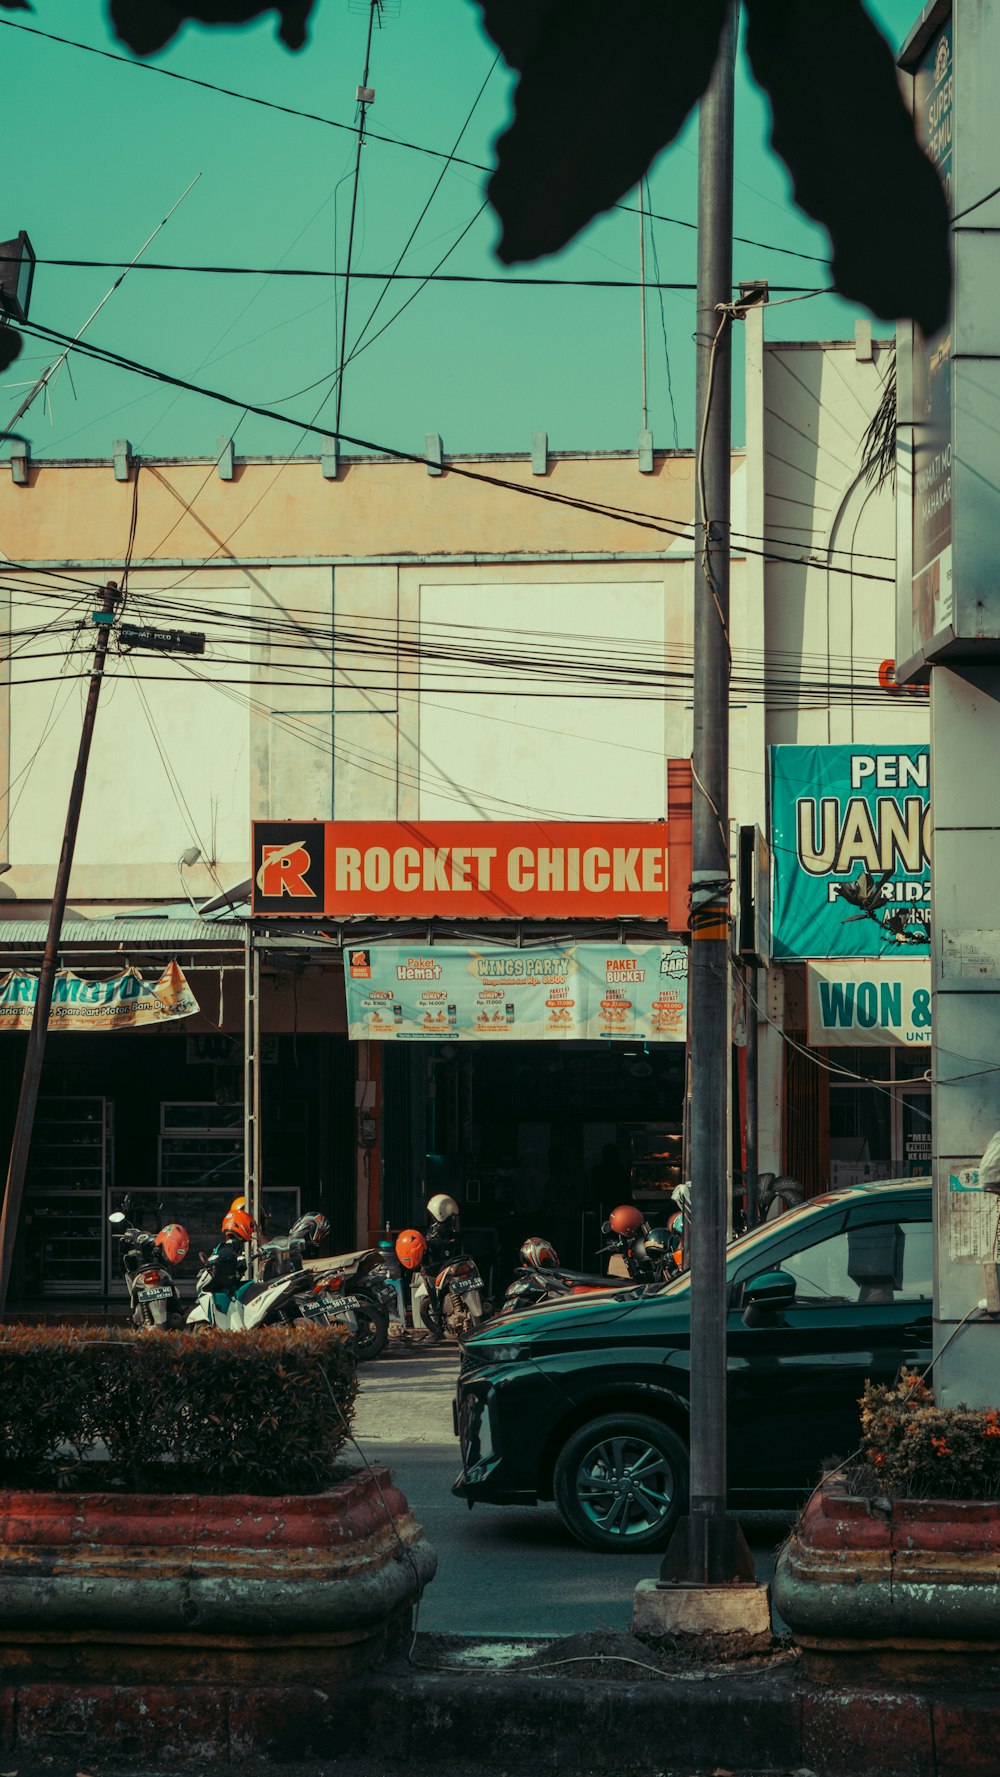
{"x": 740, "y": 1249}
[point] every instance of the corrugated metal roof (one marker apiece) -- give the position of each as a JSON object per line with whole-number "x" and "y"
{"x": 166, "y": 934}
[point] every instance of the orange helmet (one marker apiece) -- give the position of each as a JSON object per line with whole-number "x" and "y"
{"x": 626, "y": 1219}
{"x": 241, "y": 1224}
{"x": 263, "y": 1220}
{"x": 173, "y": 1242}
{"x": 410, "y": 1248}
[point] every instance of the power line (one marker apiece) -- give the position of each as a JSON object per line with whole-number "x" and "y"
{"x": 395, "y": 273}
{"x": 394, "y": 277}
{"x": 645, "y": 521}
{"x": 658, "y": 287}
{"x": 373, "y": 135}
{"x": 61, "y": 678}
{"x": 173, "y": 782}
{"x": 362, "y": 92}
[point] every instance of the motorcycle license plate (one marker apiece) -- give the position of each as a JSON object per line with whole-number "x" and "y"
{"x": 342, "y": 1317}
{"x": 462, "y": 1285}
{"x": 160, "y": 1292}
{"x": 339, "y": 1308}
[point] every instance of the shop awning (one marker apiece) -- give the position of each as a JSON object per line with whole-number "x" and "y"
{"x": 189, "y": 941}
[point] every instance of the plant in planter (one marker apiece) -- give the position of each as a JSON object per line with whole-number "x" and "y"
{"x": 912, "y": 1449}
{"x": 176, "y": 1510}
{"x": 897, "y": 1555}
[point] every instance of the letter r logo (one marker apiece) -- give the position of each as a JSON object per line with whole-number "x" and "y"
{"x": 283, "y": 871}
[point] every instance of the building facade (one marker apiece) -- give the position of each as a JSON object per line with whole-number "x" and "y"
{"x": 505, "y": 643}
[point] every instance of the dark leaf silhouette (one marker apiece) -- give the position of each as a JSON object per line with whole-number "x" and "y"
{"x": 147, "y": 25}
{"x": 10, "y": 346}
{"x": 603, "y": 87}
{"x": 843, "y": 131}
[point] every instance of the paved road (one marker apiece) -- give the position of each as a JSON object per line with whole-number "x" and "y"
{"x": 502, "y": 1570}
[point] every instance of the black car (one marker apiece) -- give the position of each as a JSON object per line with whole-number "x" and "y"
{"x": 586, "y": 1400}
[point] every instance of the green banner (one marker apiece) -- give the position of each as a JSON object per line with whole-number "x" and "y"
{"x": 850, "y": 846}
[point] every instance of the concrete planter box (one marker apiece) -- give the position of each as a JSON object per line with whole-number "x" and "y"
{"x": 908, "y": 1587}
{"x": 139, "y": 1589}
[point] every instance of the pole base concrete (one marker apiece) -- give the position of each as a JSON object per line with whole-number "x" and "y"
{"x": 733, "y": 1619}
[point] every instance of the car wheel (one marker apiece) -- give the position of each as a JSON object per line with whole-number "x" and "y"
{"x": 621, "y": 1483}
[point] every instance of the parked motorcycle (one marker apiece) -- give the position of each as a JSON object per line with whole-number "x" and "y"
{"x": 231, "y": 1301}
{"x": 649, "y": 1255}
{"x": 446, "y": 1290}
{"x": 146, "y": 1261}
{"x": 358, "y": 1277}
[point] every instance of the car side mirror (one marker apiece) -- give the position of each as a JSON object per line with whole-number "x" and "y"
{"x": 772, "y": 1289}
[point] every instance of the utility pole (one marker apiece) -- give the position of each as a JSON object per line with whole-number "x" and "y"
{"x": 14, "y": 1190}
{"x": 707, "y": 1549}
{"x": 752, "y": 1125}
{"x": 709, "y": 985}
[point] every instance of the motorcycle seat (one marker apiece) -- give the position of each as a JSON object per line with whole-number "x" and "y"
{"x": 345, "y": 1262}
{"x": 248, "y": 1292}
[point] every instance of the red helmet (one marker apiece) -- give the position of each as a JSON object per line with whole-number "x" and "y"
{"x": 410, "y": 1248}
{"x": 538, "y": 1253}
{"x": 626, "y": 1219}
{"x": 240, "y": 1223}
{"x": 173, "y": 1242}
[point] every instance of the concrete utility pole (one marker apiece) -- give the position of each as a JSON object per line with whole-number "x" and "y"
{"x": 709, "y": 993}
{"x": 14, "y": 1190}
{"x": 707, "y": 1552}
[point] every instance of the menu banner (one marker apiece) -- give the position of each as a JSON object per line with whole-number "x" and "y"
{"x": 498, "y": 994}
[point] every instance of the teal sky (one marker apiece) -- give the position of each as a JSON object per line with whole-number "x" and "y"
{"x": 97, "y": 152}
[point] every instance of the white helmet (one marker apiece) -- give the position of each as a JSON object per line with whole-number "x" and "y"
{"x": 441, "y": 1207}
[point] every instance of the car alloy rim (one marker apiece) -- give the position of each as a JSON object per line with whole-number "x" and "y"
{"x": 625, "y": 1486}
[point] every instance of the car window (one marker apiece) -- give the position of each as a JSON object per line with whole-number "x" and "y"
{"x": 871, "y": 1263}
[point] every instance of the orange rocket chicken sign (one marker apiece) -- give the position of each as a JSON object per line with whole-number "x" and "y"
{"x": 475, "y": 869}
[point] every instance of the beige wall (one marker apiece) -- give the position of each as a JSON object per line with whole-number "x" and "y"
{"x": 365, "y": 574}
{"x": 78, "y": 512}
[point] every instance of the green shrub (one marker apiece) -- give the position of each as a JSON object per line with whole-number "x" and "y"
{"x": 911, "y": 1449}
{"x": 94, "y": 1407}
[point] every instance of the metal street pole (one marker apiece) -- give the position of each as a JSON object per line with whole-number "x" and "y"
{"x": 751, "y": 1136}
{"x": 705, "y": 1548}
{"x": 14, "y": 1190}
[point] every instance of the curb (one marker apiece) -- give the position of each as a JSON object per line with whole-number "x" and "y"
{"x": 699, "y": 1721}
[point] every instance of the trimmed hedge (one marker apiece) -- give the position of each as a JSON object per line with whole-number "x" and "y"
{"x": 96, "y": 1407}
{"x": 911, "y": 1449}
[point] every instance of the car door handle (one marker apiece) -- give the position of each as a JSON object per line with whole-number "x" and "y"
{"x": 922, "y": 1331}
